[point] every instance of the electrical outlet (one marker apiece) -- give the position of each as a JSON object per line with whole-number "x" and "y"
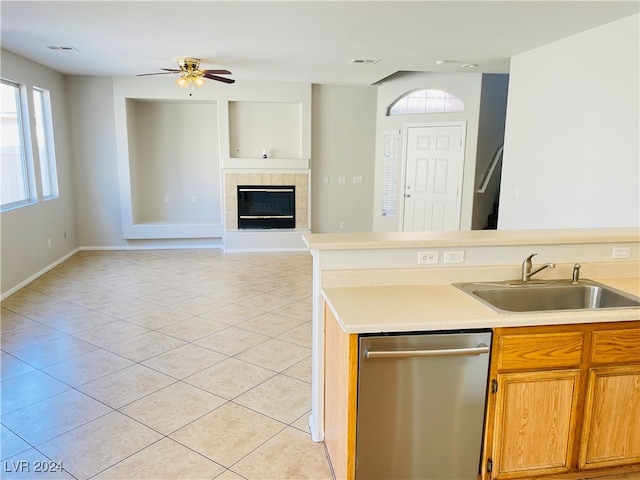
{"x": 166, "y": 199}
{"x": 428, "y": 258}
{"x": 342, "y": 180}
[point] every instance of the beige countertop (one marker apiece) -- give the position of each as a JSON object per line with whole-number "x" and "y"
{"x": 406, "y": 308}
{"x": 395, "y": 240}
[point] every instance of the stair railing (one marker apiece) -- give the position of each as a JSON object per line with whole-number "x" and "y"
{"x": 496, "y": 158}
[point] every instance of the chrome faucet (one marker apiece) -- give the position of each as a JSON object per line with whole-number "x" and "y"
{"x": 527, "y": 273}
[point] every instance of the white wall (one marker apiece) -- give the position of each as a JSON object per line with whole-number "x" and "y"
{"x": 25, "y": 231}
{"x": 467, "y": 87}
{"x": 343, "y": 145}
{"x": 571, "y": 155}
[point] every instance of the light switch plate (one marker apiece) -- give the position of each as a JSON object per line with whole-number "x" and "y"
{"x": 454, "y": 257}
{"x": 621, "y": 252}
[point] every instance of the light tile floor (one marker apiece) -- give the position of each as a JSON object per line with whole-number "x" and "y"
{"x": 176, "y": 364}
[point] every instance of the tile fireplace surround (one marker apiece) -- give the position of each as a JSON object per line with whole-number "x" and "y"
{"x": 232, "y": 180}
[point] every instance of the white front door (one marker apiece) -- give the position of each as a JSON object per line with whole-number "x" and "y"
{"x": 433, "y": 177}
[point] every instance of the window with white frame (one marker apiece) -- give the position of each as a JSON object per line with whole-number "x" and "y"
{"x": 44, "y": 136}
{"x": 16, "y": 187}
{"x": 427, "y": 100}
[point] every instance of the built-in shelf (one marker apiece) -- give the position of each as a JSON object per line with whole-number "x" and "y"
{"x": 173, "y": 229}
{"x": 272, "y": 126}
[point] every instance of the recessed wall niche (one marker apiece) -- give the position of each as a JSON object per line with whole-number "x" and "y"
{"x": 174, "y": 162}
{"x": 272, "y": 126}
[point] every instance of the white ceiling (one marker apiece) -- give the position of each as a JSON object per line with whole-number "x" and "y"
{"x": 302, "y": 41}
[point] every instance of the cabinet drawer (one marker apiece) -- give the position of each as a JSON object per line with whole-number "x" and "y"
{"x": 541, "y": 350}
{"x": 616, "y": 346}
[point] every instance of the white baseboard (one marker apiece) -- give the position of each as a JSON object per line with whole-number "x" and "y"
{"x": 38, "y": 274}
{"x": 176, "y": 246}
{"x": 172, "y": 246}
{"x": 249, "y": 243}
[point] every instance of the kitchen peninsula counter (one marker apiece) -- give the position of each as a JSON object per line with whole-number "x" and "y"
{"x": 412, "y": 308}
{"x": 373, "y": 282}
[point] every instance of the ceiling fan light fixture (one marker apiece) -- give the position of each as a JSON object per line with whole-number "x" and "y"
{"x": 190, "y": 80}
{"x": 198, "y": 81}
{"x": 190, "y": 74}
{"x": 182, "y": 82}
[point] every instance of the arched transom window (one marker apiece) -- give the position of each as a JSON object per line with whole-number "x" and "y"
{"x": 427, "y": 100}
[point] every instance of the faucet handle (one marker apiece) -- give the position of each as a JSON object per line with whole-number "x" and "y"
{"x": 576, "y": 273}
{"x": 527, "y": 261}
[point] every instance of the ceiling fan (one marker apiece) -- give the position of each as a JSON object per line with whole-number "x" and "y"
{"x": 191, "y": 73}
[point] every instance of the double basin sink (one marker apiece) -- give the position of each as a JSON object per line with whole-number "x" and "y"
{"x": 553, "y": 295}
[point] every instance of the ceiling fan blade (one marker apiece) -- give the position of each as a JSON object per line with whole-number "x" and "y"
{"x": 216, "y": 72}
{"x": 219, "y": 79}
{"x": 158, "y": 73}
{"x": 171, "y": 70}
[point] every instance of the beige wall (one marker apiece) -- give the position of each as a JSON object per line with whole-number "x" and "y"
{"x": 177, "y": 158}
{"x": 343, "y": 134}
{"x": 25, "y": 231}
{"x": 91, "y": 122}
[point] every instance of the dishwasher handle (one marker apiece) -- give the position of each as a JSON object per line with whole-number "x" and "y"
{"x": 481, "y": 349}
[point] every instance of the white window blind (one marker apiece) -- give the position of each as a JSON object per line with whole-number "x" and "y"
{"x": 426, "y": 101}
{"x": 44, "y": 137}
{"x": 390, "y": 173}
{"x": 15, "y": 184}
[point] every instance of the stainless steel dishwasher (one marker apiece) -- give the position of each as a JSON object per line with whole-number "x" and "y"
{"x": 421, "y": 402}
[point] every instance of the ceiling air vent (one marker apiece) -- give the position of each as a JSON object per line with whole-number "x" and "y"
{"x": 361, "y": 61}
{"x": 59, "y": 48}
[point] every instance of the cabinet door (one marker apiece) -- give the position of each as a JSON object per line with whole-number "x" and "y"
{"x": 534, "y": 423}
{"x": 611, "y": 427}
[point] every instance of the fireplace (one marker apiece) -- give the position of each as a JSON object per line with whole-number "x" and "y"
{"x": 266, "y": 206}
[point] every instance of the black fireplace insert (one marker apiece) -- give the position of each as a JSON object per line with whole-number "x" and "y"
{"x": 266, "y": 206}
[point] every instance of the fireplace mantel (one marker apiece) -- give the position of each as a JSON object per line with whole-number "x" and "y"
{"x": 264, "y": 164}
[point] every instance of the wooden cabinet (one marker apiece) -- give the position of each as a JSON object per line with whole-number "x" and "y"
{"x": 340, "y": 402}
{"x": 611, "y": 429}
{"x": 534, "y": 401}
{"x": 563, "y": 399}
{"x": 534, "y": 423}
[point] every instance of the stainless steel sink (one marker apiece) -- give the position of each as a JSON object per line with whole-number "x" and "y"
{"x": 537, "y": 296}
